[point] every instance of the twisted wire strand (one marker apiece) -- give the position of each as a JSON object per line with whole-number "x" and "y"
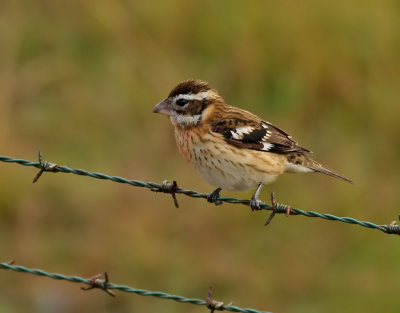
{"x": 123, "y": 288}
{"x": 165, "y": 187}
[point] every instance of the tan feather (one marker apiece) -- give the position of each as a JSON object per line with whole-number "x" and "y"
{"x": 299, "y": 159}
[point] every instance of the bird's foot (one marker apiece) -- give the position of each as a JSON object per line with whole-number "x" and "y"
{"x": 213, "y": 196}
{"x": 255, "y": 202}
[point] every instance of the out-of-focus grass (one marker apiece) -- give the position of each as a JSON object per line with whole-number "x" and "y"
{"x": 79, "y": 80}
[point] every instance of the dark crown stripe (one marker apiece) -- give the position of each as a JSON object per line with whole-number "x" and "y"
{"x": 190, "y": 86}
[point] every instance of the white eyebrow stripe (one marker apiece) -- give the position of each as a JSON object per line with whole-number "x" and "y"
{"x": 198, "y": 96}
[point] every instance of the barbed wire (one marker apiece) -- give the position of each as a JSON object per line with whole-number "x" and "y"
{"x": 173, "y": 189}
{"x": 104, "y": 284}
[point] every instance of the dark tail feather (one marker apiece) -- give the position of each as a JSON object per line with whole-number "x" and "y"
{"x": 311, "y": 164}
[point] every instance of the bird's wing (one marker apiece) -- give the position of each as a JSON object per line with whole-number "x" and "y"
{"x": 247, "y": 131}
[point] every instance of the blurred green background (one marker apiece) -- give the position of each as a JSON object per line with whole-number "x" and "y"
{"x": 79, "y": 79}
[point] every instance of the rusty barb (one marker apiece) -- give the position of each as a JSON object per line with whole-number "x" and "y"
{"x": 213, "y": 304}
{"x": 166, "y": 187}
{"x": 44, "y": 167}
{"x": 103, "y": 284}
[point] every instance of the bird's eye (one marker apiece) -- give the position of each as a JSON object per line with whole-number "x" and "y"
{"x": 181, "y": 102}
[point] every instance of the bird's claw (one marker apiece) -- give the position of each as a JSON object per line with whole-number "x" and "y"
{"x": 213, "y": 196}
{"x": 255, "y": 204}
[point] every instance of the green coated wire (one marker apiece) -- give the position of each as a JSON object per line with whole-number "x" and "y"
{"x": 169, "y": 188}
{"x": 105, "y": 285}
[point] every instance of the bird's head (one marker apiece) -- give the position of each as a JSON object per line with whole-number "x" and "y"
{"x": 189, "y": 103}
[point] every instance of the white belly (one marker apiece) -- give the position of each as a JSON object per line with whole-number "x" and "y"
{"x": 229, "y": 167}
{"x": 233, "y": 177}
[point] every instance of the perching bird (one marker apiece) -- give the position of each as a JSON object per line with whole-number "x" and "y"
{"x": 231, "y": 148}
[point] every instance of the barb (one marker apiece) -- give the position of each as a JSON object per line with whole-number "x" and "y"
{"x": 96, "y": 282}
{"x": 166, "y": 187}
{"x": 214, "y": 304}
{"x": 44, "y": 167}
{"x": 274, "y": 210}
{"x": 278, "y": 207}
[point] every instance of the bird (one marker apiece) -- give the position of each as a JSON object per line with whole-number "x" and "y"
{"x": 231, "y": 148}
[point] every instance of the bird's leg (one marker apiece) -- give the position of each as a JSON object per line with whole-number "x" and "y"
{"x": 255, "y": 202}
{"x": 212, "y": 197}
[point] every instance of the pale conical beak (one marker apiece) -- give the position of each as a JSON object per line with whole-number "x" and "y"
{"x": 163, "y": 108}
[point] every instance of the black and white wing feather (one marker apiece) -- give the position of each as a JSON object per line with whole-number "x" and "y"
{"x": 256, "y": 134}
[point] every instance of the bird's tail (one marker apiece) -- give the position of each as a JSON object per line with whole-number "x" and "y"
{"x": 301, "y": 163}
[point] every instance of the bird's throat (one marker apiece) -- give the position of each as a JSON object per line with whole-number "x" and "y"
{"x": 186, "y": 121}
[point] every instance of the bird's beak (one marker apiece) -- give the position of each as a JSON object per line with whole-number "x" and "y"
{"x": 163, "y": 108}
